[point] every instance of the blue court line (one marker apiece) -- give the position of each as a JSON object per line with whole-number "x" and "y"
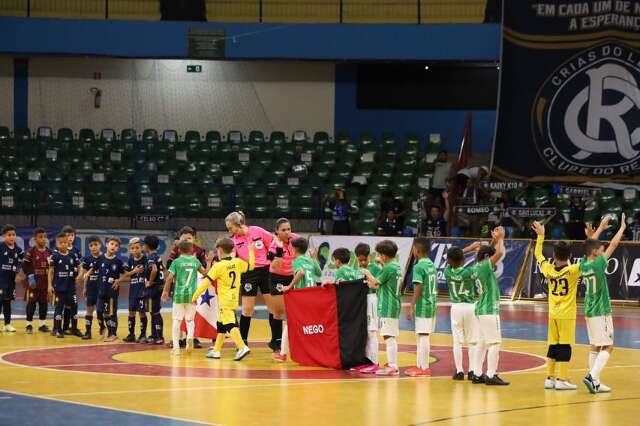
{"x": 15, "y": 406}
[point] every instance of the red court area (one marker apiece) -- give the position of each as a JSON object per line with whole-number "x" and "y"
{"x": 101, "y": 359}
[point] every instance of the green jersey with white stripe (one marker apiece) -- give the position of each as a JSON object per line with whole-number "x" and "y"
{"x": 594, "y": 277}
{"x": 389, "y": 290}
{"x": 426, "y": 275}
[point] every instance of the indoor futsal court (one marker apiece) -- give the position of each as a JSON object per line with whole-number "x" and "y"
{"x": 130, "y": 384}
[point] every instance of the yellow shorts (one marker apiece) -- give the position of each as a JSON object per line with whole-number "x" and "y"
{"x": 227, "y": 316}
{"x": 561, "y": 332}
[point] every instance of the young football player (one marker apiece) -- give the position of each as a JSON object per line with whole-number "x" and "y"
{"x": 134, "y": 270}
{"x": 62, "y": 281}
{"x": 36, "y": 268}
{"x": 90, "y": 285}
{"x": 10, "y": 262}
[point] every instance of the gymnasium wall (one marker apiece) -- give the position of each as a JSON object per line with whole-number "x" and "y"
{"x": 6, "y": 91}
{"x": 160, "y": 94}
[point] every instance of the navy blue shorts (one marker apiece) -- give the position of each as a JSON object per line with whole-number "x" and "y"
{"x": 137, "y": 304}
{"x": 153, "y": 299}
{"x": 8, "y": 291}
{"x": 92, "y": 293}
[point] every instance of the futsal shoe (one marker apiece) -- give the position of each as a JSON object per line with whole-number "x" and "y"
{"x": 213, "y": 355}
{"x": 159, "y": 341}
{"x": 59, "y": 335}
{"x": 197, "y": 344}
{"x": 67, "y": 332}
{"x": 8, "y": 328}
{"x": 590, "y": 384}
{"x": 242, "y": 353}
{"x": 111, "y": 338}
{"x": 44, "y": 328}
{"x": 129, "y": 339}
{"x": 495, "y": 381}
{"x": 418, "y": 372}
{"x": 277, "y": 356}
{"x": 29, "y": 329}
{"x": 359, "y": 368}
{"x": 602, "y": 388}
{"x": 86, "y": 336}
{"x": 458, "y": 376}
{"x": 565, "y": 385}
{"x": 470, "y": 376}
{"x": 370, "y": 369}
{"x": 550, "y": 383}
{"x": 388, "y": 371}
{"x": 77, "y": 333}
{"x": 142, "y": 339}
{"x": 479, "y": 379}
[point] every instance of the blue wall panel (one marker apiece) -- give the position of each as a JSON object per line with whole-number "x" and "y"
{"x": 247, "y": 41}
{"x": 450, "y": 124}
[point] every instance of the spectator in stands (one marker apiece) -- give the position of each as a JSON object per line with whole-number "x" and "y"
{"x": 435, "y": 223}
{"x": 391, "y": 208}
{"x": 575, "y": 225}
{"x": 633, "y": 230}
{"x": 390, "y": 226}
{"x": 476, "y": 174}
{"x": 441, "y": 172}
{"x": 341, "y": 210}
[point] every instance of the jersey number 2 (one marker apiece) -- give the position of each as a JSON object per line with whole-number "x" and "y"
{"x": 232, "y": 277}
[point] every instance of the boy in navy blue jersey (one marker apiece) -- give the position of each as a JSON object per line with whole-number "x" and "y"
{"x": 135, "y": 271}
{"x": 110, "y": 269}
{"x": 62, "y": 282}
{"x": 74, "y": 251}
{"x": 90, "y": 285}
{"x": 154, "y": 284}
{"x": 10, "y": 260}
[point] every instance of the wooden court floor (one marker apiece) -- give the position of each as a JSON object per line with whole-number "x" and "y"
{"x": 77, "y": 382}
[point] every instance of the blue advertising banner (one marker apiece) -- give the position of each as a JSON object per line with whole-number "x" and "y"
{"x": 507, "y": 269}
{"x": 569, "y": 102}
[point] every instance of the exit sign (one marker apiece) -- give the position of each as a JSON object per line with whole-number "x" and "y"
{"x": 194, "y": 68}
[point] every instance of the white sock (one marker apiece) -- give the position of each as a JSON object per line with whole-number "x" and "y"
{"x": 41, "y": 322}
{"x": 457, "y": 356}
{"x": 592, "y": 359}
{"x": 472, "y": 352}
{"x": 284, "y": 344}
{"x": 598, "y": 365}
{"x": 29, "y": 323}
{"x": 492, "y": 359}
{"x": 422, "y": 353}
{"x": 392, "y": 352}
{"x": 479, "y": 354}
{"x": 371, "y": 351}
{"x": 191, "y": 329}
{"x": 175, "y": 333}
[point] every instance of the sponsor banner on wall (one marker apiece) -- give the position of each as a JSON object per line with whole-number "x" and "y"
{"x": 502, "y": 186}
{"x": 326, "y": 244}
{"x": 507, "y": 269}
{"x": 623, "y": 272}
{"x": 569, "y": 101}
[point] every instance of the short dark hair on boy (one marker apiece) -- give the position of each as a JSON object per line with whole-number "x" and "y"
{"x": 342, "y": 254}
{"x": 8, "y": 227}
{"x": 225, "y": 244}
{"x": 68, "y": 229}
{"x": 185, "y": 247}
{"x": 455, "y": 255}
{"x": 362, "y": 249}
{"x": 591, "y": 245}
{"x": 39, "y": 230}
{"x": 116, "y": 239}
{"x": 562, "y": 251}
{"x": 186, "y": 230}
{"x": 484, "y": 252}
{"x": 61, "y": 235}
{"x": 423, "y": 244}
{"x": 387, "y": 247}
{"x": 94, "y": 239}
{"x": 152, "y": 242}
{"x": 300, "y": 245}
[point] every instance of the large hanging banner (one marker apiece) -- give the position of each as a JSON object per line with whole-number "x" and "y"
{"x": 623, "y": 272}
{"x": 326, "y": 244}
{"x": 569, "y": 103}
{"x": 508, "y": 268}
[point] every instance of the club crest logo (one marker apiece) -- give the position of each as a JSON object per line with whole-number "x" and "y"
{"x": 586, "y": 117}
{"x": 248, "y": 287}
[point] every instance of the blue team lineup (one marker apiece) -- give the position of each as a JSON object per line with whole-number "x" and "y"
{"x": 274, "y": 263}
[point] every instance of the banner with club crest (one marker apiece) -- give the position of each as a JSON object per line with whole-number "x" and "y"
{"x": 569, "y": 102}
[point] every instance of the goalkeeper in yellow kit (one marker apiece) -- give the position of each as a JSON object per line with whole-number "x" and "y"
{"x": 562, "y": 279}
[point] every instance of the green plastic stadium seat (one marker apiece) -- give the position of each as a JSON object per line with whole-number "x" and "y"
{"x": 169, "y": 136}
{"x": 213, "y": 137}
{"x": 149, "y": 135}
{"x": 86, "y": 136}
{"x": 192, "y": 137}
{"x": 277, "y": 138}
{"x": 107, "y": 136}
{"x": 22, "y": 135}
{"x": 342, "y": 138}
{"x": 321, "y": 138}
{"x": 129, "y": 137}
{"x": 256, "y": 137}
{"x": 235, "y": 137}
{"x": 5, "y": 134}
{"x": 271, "y": 181}
{"x": 385, "y": 170}
{"x": 299, "y": 137}
{"x": 606, "y": 195}
{"x": 412, "y": 142}
{"x": 389, "y": 142}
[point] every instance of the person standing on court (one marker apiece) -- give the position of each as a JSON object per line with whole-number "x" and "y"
{"x": 281, "y": 254}
{"x": 243, "y": 236}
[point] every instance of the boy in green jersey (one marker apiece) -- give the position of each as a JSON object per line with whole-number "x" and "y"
{"x": 487, "y": 309}
{"x": 388, "y": 285}
{"x": 597, "y": 306}
{"x": 341, "y": 258}
{"x": 425, "y": 297}
{"x": 363, "y": 255}
{"x": 464, "y": 324}
{"x": 184, "y": 272}
{"x": 306, "y": 272}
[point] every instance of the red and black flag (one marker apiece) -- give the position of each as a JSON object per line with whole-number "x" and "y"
{"x": 328, "y": 326}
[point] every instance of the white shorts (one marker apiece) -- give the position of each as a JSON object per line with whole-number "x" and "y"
{"x": 372, "y": 312}
{"x": 600, "y": 330}
{"x": 389, "y": 327}
{"x": 464, "y": 323}
{"x": 425, "y": 325}
{"x": 490, "y": 328}
{"x": 183, "y": 311}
